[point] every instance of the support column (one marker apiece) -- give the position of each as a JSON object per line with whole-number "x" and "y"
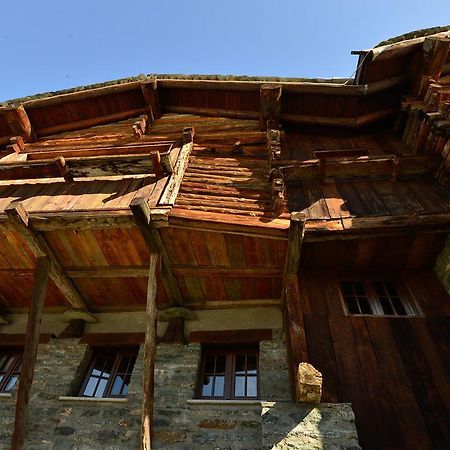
{"x": 149, "y": 357}
{"x": 29, "y": 355}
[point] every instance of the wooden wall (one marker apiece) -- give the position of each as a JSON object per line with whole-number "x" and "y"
{"x": 394, "y": 371}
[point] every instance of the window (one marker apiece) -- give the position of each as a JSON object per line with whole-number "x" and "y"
{"x": 109, "y": 373}
{"x": 10, "y": 363}
{"x": 376, "y": 297}
{"x": 229, "y": 373}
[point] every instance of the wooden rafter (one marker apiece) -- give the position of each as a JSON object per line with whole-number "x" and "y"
{"x": 149, "y": 356}
{"x": 269, "y": 106}
{"x": 29, "y": 355}
{"x": 142, "y": 216}
{"x": 150, "y": 92}
{"x": 18, "y": 216}
{"x": 435, "y": 51}
{"x": 19, "y": 123}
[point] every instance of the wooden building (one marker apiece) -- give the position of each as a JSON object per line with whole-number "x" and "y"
{"x": 252, "y": 216}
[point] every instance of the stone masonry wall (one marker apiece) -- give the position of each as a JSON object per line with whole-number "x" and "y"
{"x": 179, "y": 421}
{"x": 442, "y": 267}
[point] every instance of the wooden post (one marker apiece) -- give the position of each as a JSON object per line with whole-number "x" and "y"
{"x": 293, "y": 314}
{"x": 141, "y": 212}
{"x": 41, "y": 274}
{"x": 149, "y": 356}
{"x": 269, "y": 106}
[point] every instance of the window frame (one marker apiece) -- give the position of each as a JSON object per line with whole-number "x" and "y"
{"x": 14, "y": 369}
{"x": 230, "y": 352}
{"x": 117, "y": 353}
{"x": 368, "y": 281}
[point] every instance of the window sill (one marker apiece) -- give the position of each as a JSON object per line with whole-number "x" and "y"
{"x": 92, "y": 400}
{"x": 204, "y": 401}
{"x": 5, "y": 395}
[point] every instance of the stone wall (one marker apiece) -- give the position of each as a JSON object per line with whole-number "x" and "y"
{"x": 180, "y": 422}
{"x": 442, "y": 267}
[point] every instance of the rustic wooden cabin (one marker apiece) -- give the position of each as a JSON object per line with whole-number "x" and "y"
{"x": 211, "y": 262}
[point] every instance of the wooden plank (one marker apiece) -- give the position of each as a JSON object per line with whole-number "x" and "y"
{"x": 30, "y": 351}
{"x": 351, "y": 377}
{"x": 171, "y": 191}
{"x": 39, "y": 247}
{"x": 149, "y": 357}
{"x": 434, "y": 411}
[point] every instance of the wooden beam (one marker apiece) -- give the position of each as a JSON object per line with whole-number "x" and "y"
{"x": 435, "y": 51}
{"x": 251, "y": 336}
{"x": 141, "y": 212}
{"x": 269, "y": 106}
{"x": 18, "y": 216}
{"x": 293, "y": 314}
{"x": 150, "y": 92}
{"x": 30, "y": 351}
{"x": 172, "y": 188}
{"x": 295, "y": 242}
{"x": 19, "y": 123}
{"x": 149, "y": 357}
{"x": 90, "y": 122}
{"x": 174, "y": 333}
{"x": 74, "y": 329}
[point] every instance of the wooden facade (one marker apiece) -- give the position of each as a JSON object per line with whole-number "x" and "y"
{"x": 208, "y": 176}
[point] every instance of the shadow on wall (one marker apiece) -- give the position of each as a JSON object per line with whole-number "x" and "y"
{"x": 304, "y": 426}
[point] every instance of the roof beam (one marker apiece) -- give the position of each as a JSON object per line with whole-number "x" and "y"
{"x": 435, "y": 51}
{"x": 142, "y": 215}
{"x": 29, "y": 355}
{"x": 269, "y": 106}
{"x": 19, "y": 123}
{"x": 150, "y": 92}
{"x": 18, "y": 216}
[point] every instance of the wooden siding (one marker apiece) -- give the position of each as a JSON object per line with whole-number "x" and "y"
{"x": 394, "y": 371}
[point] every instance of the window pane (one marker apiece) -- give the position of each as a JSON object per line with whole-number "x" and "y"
{"x": 90, "y": 387}
{"x": 220, "y": 364}
{"x": 398, "y": 305}
{"x": 219, "y": 386}
{"x": 126, "y": 383}
{"x": 252, "y": 387}
{"x": 364, "y": 305}
{"x": 251, "y": 365}
{"x": 347, "y": 288}
{"x": 379, "y": 289}
{"x": 352, "y": 305}
{"x": 391, "y": 289}
{"x": 207, "y": 386}
{"x": 386, "y": 305}
{"x": 209, "y": 365}
{"x": 359, "y": 288}
{"x": 239, "y": 386}
{"x": 101, "y": 388}
{"x": 117, "y": 386}
{"x": 11, "y": 382}
{"x": 240, "y": 365}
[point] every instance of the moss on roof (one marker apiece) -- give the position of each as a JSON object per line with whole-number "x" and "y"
{"x": 414, "y": 34}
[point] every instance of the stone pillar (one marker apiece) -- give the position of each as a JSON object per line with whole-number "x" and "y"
{"x": 273, "y": 368}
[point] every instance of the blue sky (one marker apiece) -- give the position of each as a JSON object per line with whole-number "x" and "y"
{"x": 49, "y": 45}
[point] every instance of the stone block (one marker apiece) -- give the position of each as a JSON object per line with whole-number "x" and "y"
{"x": 308, "y": 384}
